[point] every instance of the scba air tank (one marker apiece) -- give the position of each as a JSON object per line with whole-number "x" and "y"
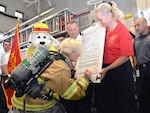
{"x": 30, "y": 66}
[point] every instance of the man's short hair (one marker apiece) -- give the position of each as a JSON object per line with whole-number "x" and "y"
{"x": 71, "y": 22}
{"x": 7, "y": 40}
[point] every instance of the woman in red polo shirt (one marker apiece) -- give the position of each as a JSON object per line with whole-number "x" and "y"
{"x": 117, "y": 87}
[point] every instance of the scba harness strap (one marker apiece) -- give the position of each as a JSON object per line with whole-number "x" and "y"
{"x": 34, "y": 88}
{"x": 34, "y": 92}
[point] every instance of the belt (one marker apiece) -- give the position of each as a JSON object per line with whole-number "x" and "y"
{"x": 144, "y": 65}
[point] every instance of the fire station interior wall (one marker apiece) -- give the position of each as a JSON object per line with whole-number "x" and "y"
{"x": 127, "y": 6}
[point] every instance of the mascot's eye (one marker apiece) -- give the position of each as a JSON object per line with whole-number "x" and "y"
{"x": 38, "y": 37}
{"x": 44, "y": 37}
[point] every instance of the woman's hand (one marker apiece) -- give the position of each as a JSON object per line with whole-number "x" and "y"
{"x": 115, "y": 64}
{"x": 103, "y": 73}
{"x": 88, "y": 73}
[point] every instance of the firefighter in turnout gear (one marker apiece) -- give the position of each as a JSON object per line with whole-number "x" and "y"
{"x": 57, "y": 83}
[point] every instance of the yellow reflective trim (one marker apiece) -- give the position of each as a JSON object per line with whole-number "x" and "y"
{"x": 70, "y": 91}
{"x": 56, "y": 96}
{"x": 74, "y": 88}
{"x": 18, "y": 103}
{"x": 83, "y": 82}
{"x": 40, "y": 80}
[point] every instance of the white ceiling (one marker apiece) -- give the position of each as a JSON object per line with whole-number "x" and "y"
{"x": 36, "y": 4}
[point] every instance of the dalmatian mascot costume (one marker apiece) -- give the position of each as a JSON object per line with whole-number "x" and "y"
{"x": 40, "y": 37}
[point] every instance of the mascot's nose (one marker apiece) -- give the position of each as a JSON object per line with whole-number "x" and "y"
{"x": 42, "y": 43}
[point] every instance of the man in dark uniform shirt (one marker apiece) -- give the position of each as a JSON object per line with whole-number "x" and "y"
{"x": 142, "y": 54}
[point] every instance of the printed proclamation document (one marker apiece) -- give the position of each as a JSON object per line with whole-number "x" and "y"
{"x": 92, "y": 52}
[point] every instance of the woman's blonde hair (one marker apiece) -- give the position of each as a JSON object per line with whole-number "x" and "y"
{"x": 68, "y": 45}
{"x": 107, "y": 7}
